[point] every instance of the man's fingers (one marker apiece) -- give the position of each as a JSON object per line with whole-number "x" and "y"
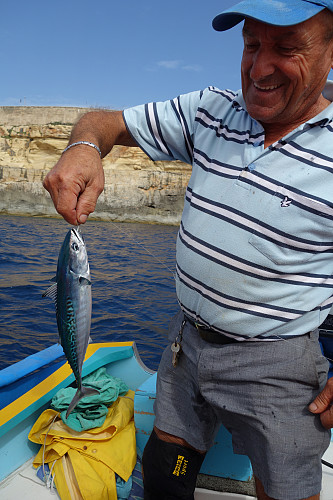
{"x": 48, "y": 187}
{"x": 66, "y": 206}
{"x": 324, "y": 399}
{"x": 85, "y": 205}
{"x": 64, "y": 195}
{"x": 323, "y": 405}
{"x": 74, "y": 184}
{"x": 327, "y": 418}
{"x": 88, "y": 198}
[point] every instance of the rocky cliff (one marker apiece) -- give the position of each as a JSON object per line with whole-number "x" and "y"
{"x": 136, "y": 189}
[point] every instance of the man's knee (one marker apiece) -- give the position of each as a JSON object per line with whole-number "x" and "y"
{"x": 170, "y": 470}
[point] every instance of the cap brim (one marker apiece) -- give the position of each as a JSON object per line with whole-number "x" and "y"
{"x": 277, "y": 13}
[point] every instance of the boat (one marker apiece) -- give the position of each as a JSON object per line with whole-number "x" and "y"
{"x": 26, "y": 390}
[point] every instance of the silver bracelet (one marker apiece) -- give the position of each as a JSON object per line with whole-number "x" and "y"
{"x": 86, "y": 143}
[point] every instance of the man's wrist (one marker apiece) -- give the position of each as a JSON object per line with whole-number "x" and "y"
{"x": 85, "y": 143}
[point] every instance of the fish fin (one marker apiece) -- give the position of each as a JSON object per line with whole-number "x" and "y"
{"x": 51, "y": 292}
{"x": 80, "y": 393}
{"x": 84, "y": 281}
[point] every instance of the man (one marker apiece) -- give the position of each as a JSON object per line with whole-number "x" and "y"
{"x": 254, "y": 252}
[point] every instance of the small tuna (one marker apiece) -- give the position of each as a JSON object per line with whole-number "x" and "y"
{"x": 72, "y": 295}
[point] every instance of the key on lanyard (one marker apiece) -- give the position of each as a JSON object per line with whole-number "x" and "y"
{"x": 176, "y": 347}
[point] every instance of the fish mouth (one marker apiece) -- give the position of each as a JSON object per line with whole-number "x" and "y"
{"x": 76, "y": 232}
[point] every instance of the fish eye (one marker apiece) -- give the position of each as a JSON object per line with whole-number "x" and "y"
{"x": 75, "y": 247}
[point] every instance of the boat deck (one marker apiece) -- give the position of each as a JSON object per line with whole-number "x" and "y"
{"x": 24, "y": 483}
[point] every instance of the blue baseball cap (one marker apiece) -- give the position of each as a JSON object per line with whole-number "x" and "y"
{"x": 276, "y": 12}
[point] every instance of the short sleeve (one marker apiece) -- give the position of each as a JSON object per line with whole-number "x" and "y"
{"x": 165, "y": 130}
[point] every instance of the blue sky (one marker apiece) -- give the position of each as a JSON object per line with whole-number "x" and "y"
{"x": 113, "y": 54}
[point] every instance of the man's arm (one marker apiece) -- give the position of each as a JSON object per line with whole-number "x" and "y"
{"x": 77, "y": 180}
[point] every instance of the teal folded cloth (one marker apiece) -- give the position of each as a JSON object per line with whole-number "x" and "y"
{"x": 123, "y": 488}
{"x": 91, "y": 411}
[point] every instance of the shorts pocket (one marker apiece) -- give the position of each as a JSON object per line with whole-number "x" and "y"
{"x": 318, "y": 364}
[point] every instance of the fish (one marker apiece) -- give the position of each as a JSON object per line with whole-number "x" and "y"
{"x": 71, "y": 293}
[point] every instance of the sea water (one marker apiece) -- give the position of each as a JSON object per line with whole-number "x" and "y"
{"x": 132, "y": 270}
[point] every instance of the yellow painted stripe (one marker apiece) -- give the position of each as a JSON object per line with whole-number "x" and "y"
{"x": 49, "y": 383}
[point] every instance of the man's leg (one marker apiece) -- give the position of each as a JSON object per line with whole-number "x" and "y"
{"x": 170, "y": 463}
{"x": 170, "y": 467}
{"x": 261, "y": 495}
{"x": 262, "y": 391}
{"x": 169, "y": 438}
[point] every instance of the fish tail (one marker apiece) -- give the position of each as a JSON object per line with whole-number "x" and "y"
{"x": 82, "y": 392}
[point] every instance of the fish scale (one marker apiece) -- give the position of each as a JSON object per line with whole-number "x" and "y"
{"x": 71, "y": 337}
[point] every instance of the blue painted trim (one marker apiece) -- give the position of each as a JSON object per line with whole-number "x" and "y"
{"x": 13, "y": 391}
{"x": 22, "y": 368}
{"x": 101, "y": 357}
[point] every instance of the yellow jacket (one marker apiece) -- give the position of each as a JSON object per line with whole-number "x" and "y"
{"x": 84, "y": 463}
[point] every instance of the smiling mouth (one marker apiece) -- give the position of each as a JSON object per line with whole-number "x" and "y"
{"x": 265, "y": 87}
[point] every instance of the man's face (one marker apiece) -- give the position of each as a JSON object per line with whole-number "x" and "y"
{"x": 284, "y": 70}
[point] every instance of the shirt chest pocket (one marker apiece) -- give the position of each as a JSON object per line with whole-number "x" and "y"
{"x": 290, "y": 234}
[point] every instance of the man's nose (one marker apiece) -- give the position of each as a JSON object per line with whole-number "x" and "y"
{"x": 262, "y": 64}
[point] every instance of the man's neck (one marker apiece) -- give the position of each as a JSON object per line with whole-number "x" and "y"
{"x": 274, "y": 132}
{"x": 273, "y": 135}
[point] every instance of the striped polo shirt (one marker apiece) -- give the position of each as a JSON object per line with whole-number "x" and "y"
{"x": 254, "y": 249}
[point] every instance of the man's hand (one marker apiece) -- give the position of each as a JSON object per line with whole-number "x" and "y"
{"x": 77, "y": 180}
{"x": 323, "y": 405}
{"x": 75, "y": 183}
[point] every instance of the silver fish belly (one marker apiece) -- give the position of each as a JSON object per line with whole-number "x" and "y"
{"x": 72, "y": 295}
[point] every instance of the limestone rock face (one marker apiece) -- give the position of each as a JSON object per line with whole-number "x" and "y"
{"x": 136, "y": 188}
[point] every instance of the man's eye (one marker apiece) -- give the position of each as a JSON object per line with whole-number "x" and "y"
{"x": 287, "y": 49}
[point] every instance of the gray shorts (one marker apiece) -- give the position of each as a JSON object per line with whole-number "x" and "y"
{"x": 260, "y": 392}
